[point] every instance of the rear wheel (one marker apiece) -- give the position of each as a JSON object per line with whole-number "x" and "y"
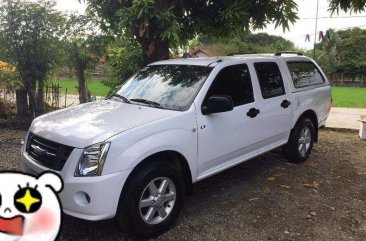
{"x": 299, "y": 146}
{"x": 152, "y": 200}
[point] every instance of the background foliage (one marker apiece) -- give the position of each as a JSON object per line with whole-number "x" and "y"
{"x": 244, "y": 42}
{"x": 158, "y": 25}
{"x": 29, "y": 34}
{"x": 83, "y": 46}
{"x": 37, "y": 40}
{"x": 344, "y": 52}
{"x": 124, "y": 59}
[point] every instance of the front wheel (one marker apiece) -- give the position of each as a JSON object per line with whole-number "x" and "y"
{"x": 152, "y": 200}
{"x": 299, "y": 146}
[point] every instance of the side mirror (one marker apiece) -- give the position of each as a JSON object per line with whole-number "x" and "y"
{"x": 218, "y": 104}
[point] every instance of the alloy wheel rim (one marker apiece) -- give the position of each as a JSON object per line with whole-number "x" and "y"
{"x": 157, "y": 200}
{"x": 304, "y": 141}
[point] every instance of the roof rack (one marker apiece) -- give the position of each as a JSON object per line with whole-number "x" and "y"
{"x": 232, "y": 54}
{"x": 289, "y": 52}
{"x": 215, "y": 62}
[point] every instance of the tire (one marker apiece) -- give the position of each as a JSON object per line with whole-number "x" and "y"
{"x": 300, "y": 143}
{"x": 149, "y": 221}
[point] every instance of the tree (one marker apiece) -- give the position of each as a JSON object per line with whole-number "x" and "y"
{"x": 29, "y": 31}
{"x": 245, "y": 42}
{"x": 124, "y": 59}
{"x": 344, "y": 52}
{"x": 2, "y": 47}
{"x": 351, "y": 51}
{"x": 326, "y": 52}
{"x": 83, "y": 46}
{"x": 158, "y": 25}
{"x": 8, "y": 75}
{"x": 347, "y": 5}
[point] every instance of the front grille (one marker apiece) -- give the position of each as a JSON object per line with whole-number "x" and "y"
{"x": 48, "y": 153}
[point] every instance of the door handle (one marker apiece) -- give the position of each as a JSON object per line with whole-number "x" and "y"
{"x": 253, "y": 112}
{"x": 285, "y": 104}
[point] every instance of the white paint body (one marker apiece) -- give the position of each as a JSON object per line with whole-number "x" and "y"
{"x": 209, "y": 143}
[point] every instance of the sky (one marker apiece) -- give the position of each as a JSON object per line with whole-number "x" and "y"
{"x": 297, "y": 33}
{"x": 71, "y": 5}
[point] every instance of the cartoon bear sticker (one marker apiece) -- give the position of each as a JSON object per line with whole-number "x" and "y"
{"x": 29, "y": 207}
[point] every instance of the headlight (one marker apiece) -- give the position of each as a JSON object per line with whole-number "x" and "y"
{"x": 92, "y": 160}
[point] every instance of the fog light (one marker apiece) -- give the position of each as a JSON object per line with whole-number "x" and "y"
{"x": 82, "y": 198}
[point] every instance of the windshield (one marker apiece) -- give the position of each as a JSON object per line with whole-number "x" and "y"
{"x": 170, "y": 86}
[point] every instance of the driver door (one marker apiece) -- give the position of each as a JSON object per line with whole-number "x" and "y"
{"x": 227, "y": 138}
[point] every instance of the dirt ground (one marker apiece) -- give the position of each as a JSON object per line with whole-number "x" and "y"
{"x": 263, "y": 199}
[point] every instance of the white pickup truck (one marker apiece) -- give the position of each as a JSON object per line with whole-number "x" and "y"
{"x": 135, "y": 155}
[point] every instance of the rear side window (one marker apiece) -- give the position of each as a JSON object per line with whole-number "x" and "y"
{"x": 304, "y": 74}
{"x": 233, "y": 81}
{"x": 270, "y": 79}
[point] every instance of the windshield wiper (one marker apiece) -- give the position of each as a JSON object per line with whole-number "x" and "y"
{"x": 121, "y": 97}
{"x": 148, "y": 102}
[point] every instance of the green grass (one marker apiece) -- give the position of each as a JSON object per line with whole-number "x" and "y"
{"x": 349, "y": 97}
{"x": 342, "y": 96}
{"x": 96, "y": 87}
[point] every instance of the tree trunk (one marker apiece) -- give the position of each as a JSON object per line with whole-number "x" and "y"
{"x": 83, "y": 96}
{"x": 154, "y": 50}
{"x": 361, "y": 82}
{"x": 149, "y": 33}
{"x": 40, "y": 96}
{"x": 31, "y": 89}
{"x": 342, "y": 76}
{"x": 22, "y": 103}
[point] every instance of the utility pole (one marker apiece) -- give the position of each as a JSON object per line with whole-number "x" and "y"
{"x": 316, "y": 28}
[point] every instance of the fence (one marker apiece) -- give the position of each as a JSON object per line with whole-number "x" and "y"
{"x": 347, "y": 80}
{"x": 54, "y": 98}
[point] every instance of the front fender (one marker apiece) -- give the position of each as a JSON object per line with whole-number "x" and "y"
{"x": 126, "y": 153}
{"x": 171, "y": 140}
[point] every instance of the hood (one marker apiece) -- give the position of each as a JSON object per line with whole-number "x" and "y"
{"x": 90, "y": 123}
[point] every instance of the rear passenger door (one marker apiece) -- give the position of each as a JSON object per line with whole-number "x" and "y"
{"x": 275, "y": 104}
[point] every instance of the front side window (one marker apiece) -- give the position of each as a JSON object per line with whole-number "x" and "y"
{"x": 235, "y": 82}
{"x": 270, "y": 79}
{"x": 171, "y": 86}
{"x": 304, "y": 73}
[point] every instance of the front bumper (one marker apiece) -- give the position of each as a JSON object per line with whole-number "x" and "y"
{"x": 90, "y": 198}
